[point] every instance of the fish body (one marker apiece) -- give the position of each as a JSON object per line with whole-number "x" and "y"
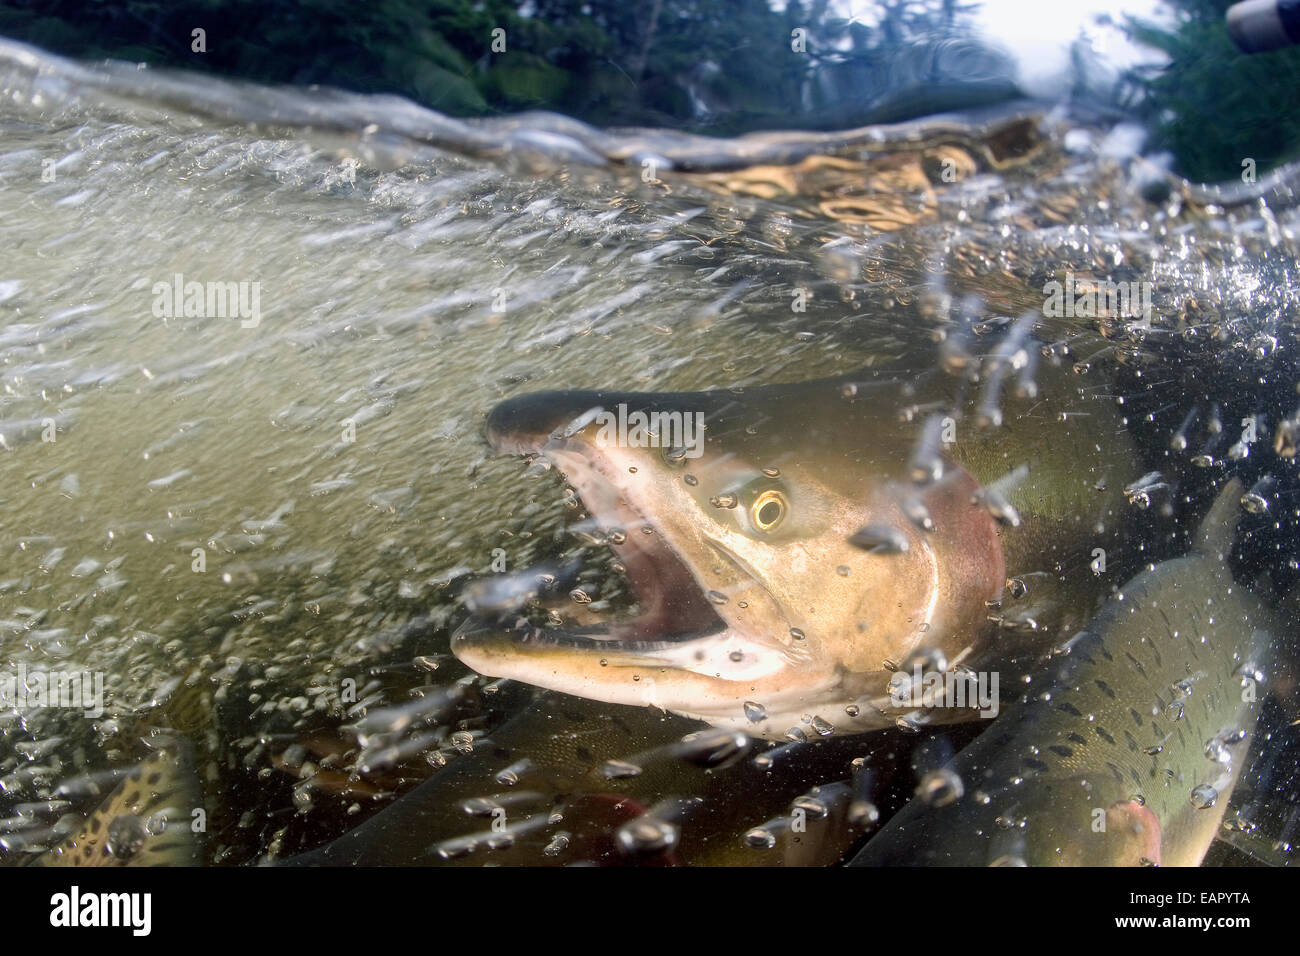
{"x": 1126, "y": 751}
{"x": 569, "y": 781}
{"x": 811, "y": 539}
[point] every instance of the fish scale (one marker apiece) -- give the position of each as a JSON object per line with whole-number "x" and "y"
{"x": 1093, "y": 769}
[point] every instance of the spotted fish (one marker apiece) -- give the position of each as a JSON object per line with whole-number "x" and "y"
{"x": 147, "y": 820}
{"x": 1127, "y": 751}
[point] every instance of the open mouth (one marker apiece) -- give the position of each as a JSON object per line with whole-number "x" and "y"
{"x": 673, "y": 608}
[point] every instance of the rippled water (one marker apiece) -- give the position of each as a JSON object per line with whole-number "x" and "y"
{"x": 236, "y": 518}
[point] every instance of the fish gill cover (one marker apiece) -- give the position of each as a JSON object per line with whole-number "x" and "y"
{"x": 986, "y": 367}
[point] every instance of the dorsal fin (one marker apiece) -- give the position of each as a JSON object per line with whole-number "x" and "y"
{"x": 1214, "y": 536}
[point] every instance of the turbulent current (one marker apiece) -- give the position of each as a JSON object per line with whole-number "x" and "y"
{"x": 249, "y": 338}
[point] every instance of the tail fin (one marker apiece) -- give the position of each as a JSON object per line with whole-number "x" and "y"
{"x": 146, "y": 821}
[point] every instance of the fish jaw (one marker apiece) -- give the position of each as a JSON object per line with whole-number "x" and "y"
{"x": 664, "y": 675}
{"x": 803, "y": 623}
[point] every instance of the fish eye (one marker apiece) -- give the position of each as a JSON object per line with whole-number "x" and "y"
{"x": 768, "y": 510}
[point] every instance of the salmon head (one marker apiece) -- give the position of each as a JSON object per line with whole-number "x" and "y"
{"x": 783, "y": 561}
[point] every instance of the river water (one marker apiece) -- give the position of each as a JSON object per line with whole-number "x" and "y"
{"x": 267, "y": 510}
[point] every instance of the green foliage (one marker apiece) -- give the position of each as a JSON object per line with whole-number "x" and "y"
{"x": 720, "y": 65}
{"x": 1211, "y": 105}
{"x": 606, "y": 61}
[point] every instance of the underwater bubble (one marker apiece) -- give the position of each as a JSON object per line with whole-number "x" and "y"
{"x": 767, "y": 760}
{"x": 511, "y": 774}
{"x": 645, "y": 835}
{"x": 863, "y": 813}
{"x": 675, "y": 455}
{"x": 1175, "y": 710}
{"x": 760, "y": 838}
{"x": 480, "y": 806}
{"x": 796, "y": 633}
{"x": 1204, "y": 796}
{"x": 1286, "y": 438}
{"x": 1249, "y": 671}
{"x": 726, "y": 500}
{"x": 918, "y": 513}
{"x": 754, "y": 711}
{"x": 579, "y": 596}
{"x": 996, "y": 504}
{"x": 691, "y": 480}
{"x": 1009, "y": 859}
{"x": 1254, "y": 503}
{"x": 941, "y": 787}
{"x": 463, "y": 741}
{"x": 822, "y": 727}
{"x": 1139, "y": 492}
{"x": 880, "y": 538}
{"x": 954, "y": 357}
{"x": 1179, "y": 440}
{"x": 1262, "y": 345}
{"x": 456, "y": 848}
{"x": 853, "y": 710}
{"x": 619, "y": 770}
{"x": 717, "y": 597}
{"x": 927, "y": 659}
{"x": 796, "y": 735}
{"x": 1216, "y": 751}
{"x": 559, "y": 843}
{"x": 772, "y": 472}
{"x": 712, "y": 748}
{"x": 1256, "y": 499}
{"x": 813, "y": 808}
{"x": 127, "y": 834}
{"x": 1216, "y": 748}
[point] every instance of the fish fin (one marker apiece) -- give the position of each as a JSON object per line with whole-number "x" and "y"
{"x": 1133, "y": 834}
{"x": 1214, "y": 536}
{"x": 145, "y": 821}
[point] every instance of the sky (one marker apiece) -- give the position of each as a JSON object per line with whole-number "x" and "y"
{"x": 1038, "y": 32}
